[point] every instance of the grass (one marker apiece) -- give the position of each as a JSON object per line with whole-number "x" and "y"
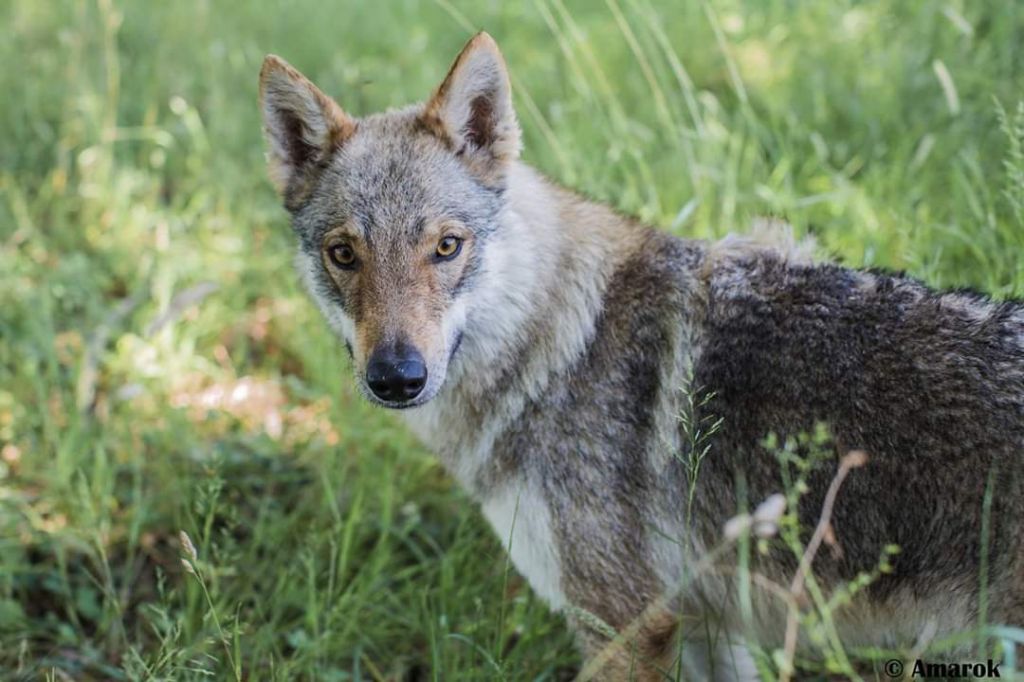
{"x": 161, "y": 371}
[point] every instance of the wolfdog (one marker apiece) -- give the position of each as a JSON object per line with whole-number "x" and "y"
{"x": 549, "y": 351}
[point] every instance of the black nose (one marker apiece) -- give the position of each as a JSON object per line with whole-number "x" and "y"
{"x": 396, "y": 374}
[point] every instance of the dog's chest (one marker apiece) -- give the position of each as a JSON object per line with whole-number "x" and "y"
{"x": 517, "y": 510}
{"x": 522, "y": 519}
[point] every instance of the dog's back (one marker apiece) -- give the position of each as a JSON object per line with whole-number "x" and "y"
{"x": 929, "y": 385}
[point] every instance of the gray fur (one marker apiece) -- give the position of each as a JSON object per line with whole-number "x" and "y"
{"x": 572, "y": 334}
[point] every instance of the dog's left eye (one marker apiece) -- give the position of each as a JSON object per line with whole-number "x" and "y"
{"x": 449, "y": 247}
{"x": 343, "y": 256}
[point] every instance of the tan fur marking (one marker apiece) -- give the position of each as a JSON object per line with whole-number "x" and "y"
{"x": 644, "y": 658}
{"x": 432, "y": 112}
{"x": 281, "y": 88}
{"x": 765, "y": 236}
{"x": 476, "y": 89}
{"x": 342, "y": 125}
{"x": 406, "y": 308}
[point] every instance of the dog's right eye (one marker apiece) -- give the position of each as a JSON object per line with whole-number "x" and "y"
{"x": 449, "y": 247}
{"x": 342, "y": 255}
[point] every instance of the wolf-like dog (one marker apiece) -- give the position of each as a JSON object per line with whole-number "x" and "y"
{"x": 549, "y": 349}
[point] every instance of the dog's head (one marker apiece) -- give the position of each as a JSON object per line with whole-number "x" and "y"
{"x": 394, "y": 211}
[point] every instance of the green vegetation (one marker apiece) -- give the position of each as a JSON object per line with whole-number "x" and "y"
{"x": 160, "y": 369}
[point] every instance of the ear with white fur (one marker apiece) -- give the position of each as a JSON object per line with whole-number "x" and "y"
{"x": 472, "y": 109}
{"x": 303, "y": 126}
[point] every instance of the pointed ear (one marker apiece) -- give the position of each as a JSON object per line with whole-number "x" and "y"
{"x": 472, "y": 109}
{"x": 303, "y": 126}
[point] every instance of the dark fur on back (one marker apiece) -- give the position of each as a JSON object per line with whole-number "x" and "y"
{"x": 930, "y": 385}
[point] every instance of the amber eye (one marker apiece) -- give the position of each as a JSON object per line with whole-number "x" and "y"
{"x": 449, "y": 247}
{"x": 342, "y": 255}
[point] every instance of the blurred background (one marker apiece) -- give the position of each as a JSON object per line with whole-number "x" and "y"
{"x": 160, "y": 370}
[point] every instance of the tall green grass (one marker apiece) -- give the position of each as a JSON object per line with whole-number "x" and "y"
{"x": 160, "y": 370}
